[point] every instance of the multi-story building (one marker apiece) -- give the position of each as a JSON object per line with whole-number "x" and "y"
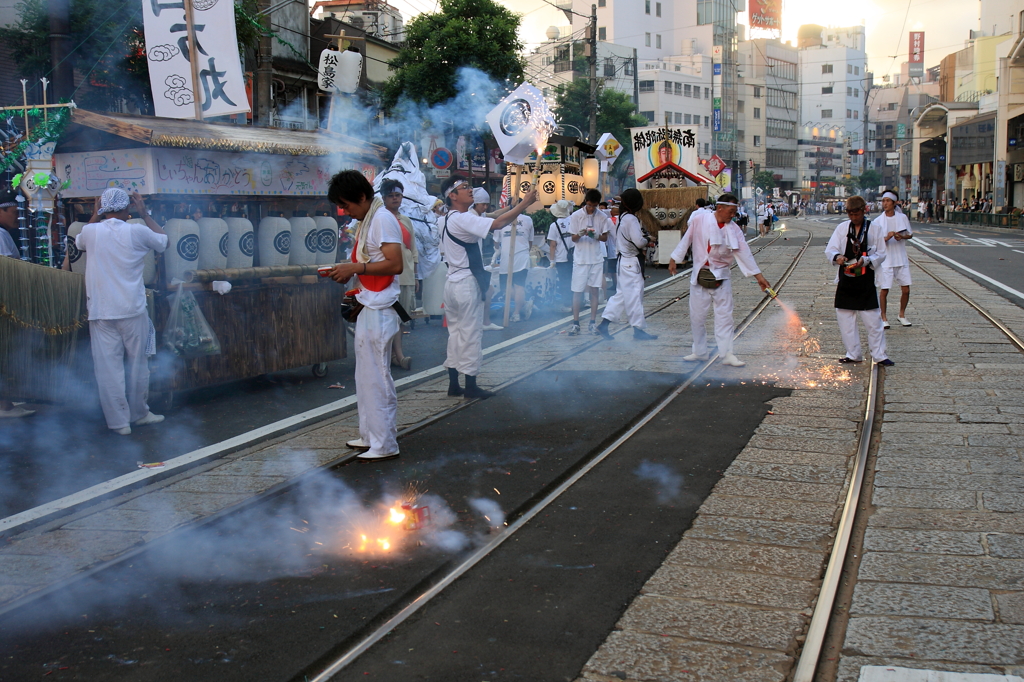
{"x": 767, "y": 110}
{"x": 833, "y": 81}
{"x": 562, "y": 60}
{"x": 678, "y": 90}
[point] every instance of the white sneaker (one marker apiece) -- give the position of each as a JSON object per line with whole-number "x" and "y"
{"x": 493, "y": 327}
{"x": 732, "y": 361}
{"x": 514, "y": 318}
{"x": 149, "y": 419}
{"x": 905, "y": 322}
{"x": 885, "y": 324}
{"x": 16, "y": 411}
{"x": 693, "y": 357}
{"x": 358, "y": 444}
{"x": 367, "y": 457}
{"x": 123, "y": 431}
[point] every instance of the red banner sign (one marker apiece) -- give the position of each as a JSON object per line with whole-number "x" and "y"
{"x": 766, "y": 14}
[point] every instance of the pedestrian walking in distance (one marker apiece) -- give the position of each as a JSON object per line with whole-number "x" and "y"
{"x": 631, "y": 243}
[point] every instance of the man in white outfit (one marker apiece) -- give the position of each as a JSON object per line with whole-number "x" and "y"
{"x": 857, "y": 248}
{"x": 716, "y": 242}
{"x": 481, "y": 206}
{"x": 119, "y": 324}
{"x": 590, "y": 230}
{"x": 467, "y": 281}
{"x": 631, "y": 242}
{"x": 560, "y": 245}
{"x": 896, "y": 266}
{"x": 377, "y": 262}
{"x": 523, "y": 227}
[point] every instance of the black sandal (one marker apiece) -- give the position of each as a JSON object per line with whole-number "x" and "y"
{"x": 848, "y": 361}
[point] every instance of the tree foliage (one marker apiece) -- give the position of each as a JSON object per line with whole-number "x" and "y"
{"x": 870, "y": 179}
{"x": 475, "y": 33}
{"x": 765, "y": 180}
{"x": 615, "y": 110}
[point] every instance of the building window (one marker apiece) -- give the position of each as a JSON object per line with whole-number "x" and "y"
{"x": 856, "y": 92}
{"x": 647, "y": 6}
{"x": 856, "y": 115}
{"x": 892, "y": 106}
{"x": 602, "y": 33}
{"x": 668, "y": 88}
{"x": 781, "y": 98}
{"x": 609, "y": 68}
{"x": 687, "y": 119}
{"x": 849, "y": 114}
{"x": 780, "y": 158}
{"x": 679, "y": 89}
{"x": 757, "y": 140}
{"x": 707, "y": 93}
{"x": 856, "y": 71}
{"x": 649, "y": 115}
{"x": 778, "y": 128}
{"x": 826, "y": 68}
{"x": 757, "y": 112}
{"x": 826, "y": 89}
{"x": 849, "y": 68}
{"x": 739, "y": 106}
{"x": 657, "y": 8}
{"x": 601, "y": 3}
{"x": 826, "y": 113}
{"x": 888, "y": 144}
{"x": 628, "y": 67}
{"x": 757, "y": 92}
{"x": 657, "y": 41}
{"x": 687, "y": 90}
{"x": 849, "y": 92}
{"x": 668, "y": 117}
{"x": 705, "y": 149}
{"x": 679, "y": 118}
{"x": 647, "y": 86}
{"x": 707, "y": 121}
{"x": 705, "y": 12}
{"x": 647, "y": 37}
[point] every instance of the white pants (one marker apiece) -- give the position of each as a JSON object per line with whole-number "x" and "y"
{"x": 111, "y": 340}
{"x": 872, "y": 321}
{"x": 375, "y": 388}
{"x": 465, "y": 312}
{"x": 701, "y": 300}
{"x": 629, "y": 295}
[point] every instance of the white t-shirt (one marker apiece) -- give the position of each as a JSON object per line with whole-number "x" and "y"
{"x": 467, "y": 227}
{"x": 384, "y": 229}
{"x": 611, "y": 248}
{"x": 589, "y": 251}
{"x": 630, "y": 239}
{"x": 8, "y": 247}
{"x": 895, "y": 249}
{"x": 558, "y": 231}
{"x": 503, "y": 237}
{"x": 113, "y": 282}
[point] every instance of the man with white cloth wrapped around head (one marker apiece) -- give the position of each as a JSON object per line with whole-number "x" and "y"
{"x": 119, "y": 324}
{"x": 630, "y": 243}
{"x": 857, "y": 248}
{"x": 376, "y": 261}
{"x": 716, "y": 242}
{"x": 467, "y": 281}
{"x": 896, "y": 266}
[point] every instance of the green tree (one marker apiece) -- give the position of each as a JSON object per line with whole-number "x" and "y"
{"x": 765, "y": 180}
{"x": 615, "y": 110}
{"x": 870, "y": 179}
{"x": 477, "y": 33}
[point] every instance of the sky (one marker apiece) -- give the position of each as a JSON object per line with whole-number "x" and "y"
{"x": 945, "y": 22}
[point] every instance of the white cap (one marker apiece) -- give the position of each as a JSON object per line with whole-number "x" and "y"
{"x": 480, "y": 196}
{"x": 113, "y": 199}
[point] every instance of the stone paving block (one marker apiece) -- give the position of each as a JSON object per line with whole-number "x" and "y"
{"x": 283, "y": 450}
{"x": 225, "y": 484}
{"x": 199, "y": 504}
{"x": 725, "y": 623}
{"x": 686, "y": 582}
{"x": 960, "y": 641}
{"x": 907, "y": 397}
{"x": 849, "y": 666}
{"x": 1005, "y": 467}
{"x": 1006, "y": 545}
{"x": 905, "y": 464}
{"x": 9, "y": 593}
{"x": 34, "y": 569}
{"x": 805, "y": 432}
{"x": 1003, "y": 502}
{"x": 789, "y": 472}
{"x": 808, "y": 408}
{"x": 283, "y": 466}
{"x": 760, "y": 531}
{"x": 988, "y": 418}
{"x": 133, "y": 520}
{"x": 926, "y": 541}
{"x": 898, "y": 429}
{"x": 84, "y": 546}
{"x": 778, "y": 510}
{"x": 839, "y": 423}
{"x": 893, "y": 408}
{"x": 886, "y": 449}
{"x": 984, "y": 482}
{"x": 926, "y": 601}
{"x": 632, "y": 656}
{"x": 785, "y": 561}
{"x": 911, "y": 440}
{"x": 924, "y": 499}
{"x": 1011, "y": 607}
{"x": 816, "y": 459}
{"x": 948, "y": 519}
{"x": 921, "y": 417}
{"x": 956, "y": 571}
{"x": 784, "y": 490}
{"x": 830, "y": 447}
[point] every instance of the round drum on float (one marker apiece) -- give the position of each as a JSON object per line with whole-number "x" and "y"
{"x": 149, "y": 262}
{"x": 326, "y": 240}
{"x": 182, "y": 248}
{"x": 241, "y": 242}
{"x": 213, "y": 244}
{"x": 275, "y": 238}
{"x": 304, "y": 250}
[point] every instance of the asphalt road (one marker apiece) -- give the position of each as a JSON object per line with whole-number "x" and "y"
{"x": 267, "y": 594}
{"x": 65, "y": 448}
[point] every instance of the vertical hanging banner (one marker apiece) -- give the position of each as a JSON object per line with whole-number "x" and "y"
{"x": 915, "y": 68}
{"x": 221, "y": 86}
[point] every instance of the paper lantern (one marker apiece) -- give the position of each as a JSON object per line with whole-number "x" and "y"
{"x": 303, "y": 241}
{"x": 275, "y": 239}
{"x": 550, "y": 189}
{"x": 182, "y": 248}
{"x": 326, "y": 240}
{"x": 591, "y": 171}
{"x": 79, "y": 259}
{"x": 241, "y": 241}
{"x": 213, "y": 243}
{"x": 575, "y": 189}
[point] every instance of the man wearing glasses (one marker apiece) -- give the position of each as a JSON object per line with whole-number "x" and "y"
{"x": 857, "y": 248}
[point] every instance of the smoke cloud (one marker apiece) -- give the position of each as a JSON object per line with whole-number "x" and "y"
{"x": 668, "y": 484}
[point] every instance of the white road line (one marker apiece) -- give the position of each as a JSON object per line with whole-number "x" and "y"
{"x": 961, "y": 266}
{"x": 921, "y": 241}
{"x": 1016, "y": 251}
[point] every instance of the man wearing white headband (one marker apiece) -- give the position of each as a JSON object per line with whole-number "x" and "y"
{"x": 716, "y": 243}
{"x": 467, "y": 281}
{"x": 857, "y": 248}
{"x": 116, "y": 296}
{"x": 896, "y": 267}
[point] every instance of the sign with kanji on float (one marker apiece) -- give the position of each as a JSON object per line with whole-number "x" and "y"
{"x": 655, "y": 146}
{"x": 220, "y": 86}
{"x": 716, "y": 164}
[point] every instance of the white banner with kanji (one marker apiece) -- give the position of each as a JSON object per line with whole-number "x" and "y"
{"x": 221, "y": 86}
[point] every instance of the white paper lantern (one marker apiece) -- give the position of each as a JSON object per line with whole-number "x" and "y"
{"x": 575, "y": 189}
{"x": 549, "y": 188}
{"x": 591, "y": 172}
{"x": 241, "y": 243}
{"x": 213, "y": 244}
{"x": 182, "y": 248}
{"x": 275, "y": 239}
{"x": 79, "y": 259}
{"x": 303, "y": 250}
{"x": 326, "y": 240}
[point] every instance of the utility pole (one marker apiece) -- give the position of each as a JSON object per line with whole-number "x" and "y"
{"x": 636, "y": 83}
{"x": 592, "y": 43}
{"x": 265, "y": 70}
{"x": 60, "y": 40}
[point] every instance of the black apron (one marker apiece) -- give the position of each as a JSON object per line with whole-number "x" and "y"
{"x": 856, "y": 292}
{"x": 476, "y": 261}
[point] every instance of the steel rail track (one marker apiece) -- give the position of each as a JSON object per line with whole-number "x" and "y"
{"x": 524, "y": 517}
{"x": 807, "y": 665}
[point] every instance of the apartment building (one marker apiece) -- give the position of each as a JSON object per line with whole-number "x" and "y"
{"x": 767, "y": 109}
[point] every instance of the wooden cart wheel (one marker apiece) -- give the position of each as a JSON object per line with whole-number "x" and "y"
{"x": 320, "y": 370}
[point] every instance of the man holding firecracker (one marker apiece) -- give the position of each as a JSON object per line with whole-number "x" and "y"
{"x": 590, "y": 228}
